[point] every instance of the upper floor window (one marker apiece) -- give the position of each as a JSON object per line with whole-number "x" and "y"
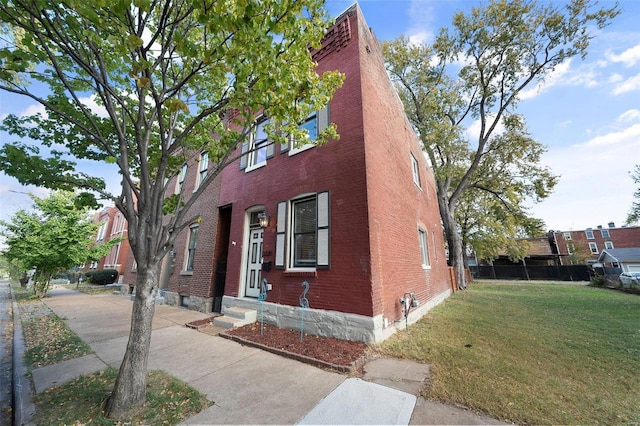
{"x": 424, "y": 248}
{"x": 605, "y": 233}
{"x": 315, "y": 123}
{"x": 311, "y": 126}
{"x": 191, "y": 248}
{"x": 416, "y": 170}
{"x": 608, "y": 245}
{"x": 102, "y": 231}
{"x": 566, "y": 235}
{"x": 589, "y": 234}
{"x": 203, "y": 166}
{"x": 594, "y": 248}
{"x": 307, "y": 226}
{"x": 257, "y": 149}
{"x": 182, "y": 175}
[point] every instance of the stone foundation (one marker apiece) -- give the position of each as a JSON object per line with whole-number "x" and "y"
{"x": 326, "y": 323}
{"x": 196, "y": 303}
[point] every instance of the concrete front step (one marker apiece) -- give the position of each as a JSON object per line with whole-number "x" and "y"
{"x": 236, "y": 317}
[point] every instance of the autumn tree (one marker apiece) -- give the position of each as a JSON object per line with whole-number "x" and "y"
{"x": 51, "y": 238}
{"x": 461, "y": 95}
{"x": 171, "y": 80}
{"x": 634, "y": 211}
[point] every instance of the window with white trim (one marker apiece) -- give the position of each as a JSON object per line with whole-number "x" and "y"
{"x": 182, "y": 175}
{"x": 566, "y": 235}
{"x": 302, "y": 233}
{"x": 191, "y": 248}
{"x": 315, "y": 123}
{"x": 608, "y": 245}
{"x": 415, "y": 168}
{"x": 424, "y": 248}
{"x": 594, "y": 248}
{"x": 102, "y": 231}
{"x": 257, "y": 149}
{"x": 589, "y": 234}
{"x": 203, "y": 166}
{"x": 605, "y": 233}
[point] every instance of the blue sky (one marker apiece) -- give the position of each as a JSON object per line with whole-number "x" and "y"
{"x": 587, "y": 113}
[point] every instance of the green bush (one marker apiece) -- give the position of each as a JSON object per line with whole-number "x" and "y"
{"x": 102, "y": 276}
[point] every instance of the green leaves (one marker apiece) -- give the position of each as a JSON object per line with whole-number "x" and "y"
{"x": 484, "y": 178}
{"x": 53, "y": 237}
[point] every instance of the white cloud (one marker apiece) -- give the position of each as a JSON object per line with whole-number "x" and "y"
{"x": 594, "y": 187}
{"x": 97, "y": 109}
{"x": 628, "y": 136}
{"x": 629, "y": 116}
{"x": 629, "y": 85}
{"x": 629, "y": 57}
{"x": 32, "y": 110}
{"x": 421, "y": 22}
{"x": 473, "y": 131}
{"x": 559, "y": 74}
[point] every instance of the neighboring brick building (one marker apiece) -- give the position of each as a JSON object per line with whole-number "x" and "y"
{"x": 584, "y": 246}
{"x": 112, "y": 225}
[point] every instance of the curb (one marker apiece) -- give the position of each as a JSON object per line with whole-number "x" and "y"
{"x": 22, "y": 387}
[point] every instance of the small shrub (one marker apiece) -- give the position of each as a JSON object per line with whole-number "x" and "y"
{"x": 102, "y": 277}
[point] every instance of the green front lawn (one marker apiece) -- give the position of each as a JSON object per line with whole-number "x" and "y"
{"x": 532, "y": 353}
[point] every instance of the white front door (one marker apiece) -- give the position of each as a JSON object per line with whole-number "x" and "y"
{"x": 254, "y": 263}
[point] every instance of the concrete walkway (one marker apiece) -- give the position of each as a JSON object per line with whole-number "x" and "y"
{"x": 247, "y": 385}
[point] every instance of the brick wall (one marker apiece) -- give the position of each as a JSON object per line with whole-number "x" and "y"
{"x": 199, "y": 281}
{"x": 397, "y": 206}
{"x": 628, "y": 237}
{"x": 375, "y": 208}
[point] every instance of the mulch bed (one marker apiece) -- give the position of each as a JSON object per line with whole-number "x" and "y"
{"x": 326, "y": 352}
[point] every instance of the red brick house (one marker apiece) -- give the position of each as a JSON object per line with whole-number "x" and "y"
{"x": 356, "y": 219}
{"x": 112, "y": 225}
{"x": 584, "y": 246}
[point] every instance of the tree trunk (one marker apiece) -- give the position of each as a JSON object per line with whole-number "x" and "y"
{"x": 454, "y": 241}
{"x": 130, "y": 391}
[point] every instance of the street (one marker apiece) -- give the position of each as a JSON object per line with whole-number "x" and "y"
{"x": 6, "y": 354}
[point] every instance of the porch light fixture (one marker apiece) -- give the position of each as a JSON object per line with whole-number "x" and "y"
{"x": 263, "y": 219}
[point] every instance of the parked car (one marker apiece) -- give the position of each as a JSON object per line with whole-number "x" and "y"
{"x": 630, "y": 279}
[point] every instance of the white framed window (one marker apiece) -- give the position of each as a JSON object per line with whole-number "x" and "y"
{"x": 415, "y": 168}
{"x": 102, "y": 231}
{"x": 594, "y": 248}
{"x": 203, "y": 166}
{"x": 605, "y": 233}
{"x": 608, "y": 245}
{"x": 257, "y": 149}
{"x": 315, "y": 123}
{"x": 570, "y": 248}
{"x": 182, "y": 175}
{"x": 302, "y": 236}
{"x": 566, "y": 235}
{"x": 424, "y": 248}
{"x": 311, "y": 125}
{"x": 191, "y": 248}
{"x": 589, "y": 234}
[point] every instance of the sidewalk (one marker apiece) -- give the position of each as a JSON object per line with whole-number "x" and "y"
{"x": 247, "y": 385}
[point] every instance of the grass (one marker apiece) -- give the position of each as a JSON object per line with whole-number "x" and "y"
{"x": 169, "y": 401}
{"x": 532, "y": 354}
{"x": 50, "y": 341}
